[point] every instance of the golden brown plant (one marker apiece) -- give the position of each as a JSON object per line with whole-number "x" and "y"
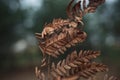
{"x": 105, "y": 77}
{"x": 62, "y": 34}
{"x": 55, "y": 44}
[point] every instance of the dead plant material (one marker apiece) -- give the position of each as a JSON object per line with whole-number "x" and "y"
{"x": 78, "y": 64}
{"x": 106, "y": 77}
{"x": 58, "y": 43}
{"x": 62, "y": 34}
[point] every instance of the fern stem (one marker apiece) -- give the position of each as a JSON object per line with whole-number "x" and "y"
{"x": 49, "y": 67}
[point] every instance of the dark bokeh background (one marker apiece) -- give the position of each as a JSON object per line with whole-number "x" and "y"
{"x": 20, "y": 19}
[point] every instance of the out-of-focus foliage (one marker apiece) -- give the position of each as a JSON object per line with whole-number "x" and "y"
{"x": 20, "y": 19}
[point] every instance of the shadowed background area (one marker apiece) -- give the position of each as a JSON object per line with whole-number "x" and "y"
{"x": 21, "y": 19}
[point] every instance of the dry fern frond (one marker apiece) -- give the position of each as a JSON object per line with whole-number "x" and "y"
{"x": 89, "y": 69}
{"x": 106, "y": 77}
{"x": 61, "y": 34}
{"x": 54, "y": 26}
{"x": 40, "y": 75}
{"x": 93, "y": 4}
{"x": 73, "y": 60}
{"x": 86, "y": 70}
{"x": 76, "y": 12}
{"x": 59, "y": 43}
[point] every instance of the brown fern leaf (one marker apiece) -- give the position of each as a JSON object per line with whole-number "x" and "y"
{"x": 59, "y": 43}
{"x": 86, "y": 70}
{"x": 56, "y": 25}
{"x": 43, "y": 62}
{"x": 59, "y": 23}
{"x": 89, "y": 69}
{"x": 76, "y": 12}
{"x": 40, "y": 75}
{"x": 73, "y": 60}
{"x": 106, "y": 77}
{"x": 88, "y": 55}
{"x": 93, "y": 4}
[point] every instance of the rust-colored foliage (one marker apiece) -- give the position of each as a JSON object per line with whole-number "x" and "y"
{"x": 55, "y": 44}
{"x": 105, "y": 77}
{"x": 62, "y": 34}
{"x": 79, "y": 65}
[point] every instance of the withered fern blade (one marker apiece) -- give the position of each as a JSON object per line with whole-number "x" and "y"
{"x": 86, "y": 70}
{"x": 39, "y": 74}
{"x": 106, "y": 77}
{"x": 55, "y": 26}
{"x": 62, "y": 34}
{"x": 58, "y": 43}
{"x": 89, "y": 69}
{"x": 95, "y": 3}
{"x": 73, "y": 60}
{"x": 76, "y": 12}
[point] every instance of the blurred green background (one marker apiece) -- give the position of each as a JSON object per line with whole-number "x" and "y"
{"x": 21, "y": 19}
